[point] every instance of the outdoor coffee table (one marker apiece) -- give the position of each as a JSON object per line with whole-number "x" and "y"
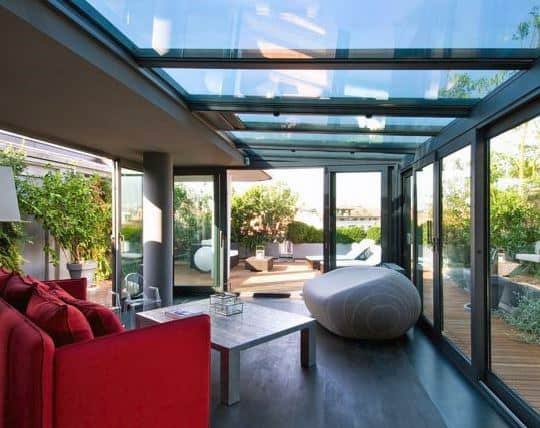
{"x": 232, "y": 334}
{"x": 263, "y": 264}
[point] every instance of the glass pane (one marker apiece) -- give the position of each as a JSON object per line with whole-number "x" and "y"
{"x": 323, "y": 155}
{"x": 406, "y": 221}
{"x": 283, "y": 29}
{"x": 324, "y": 84}
{"x": 424, "y": 237}
{"x": 456, "y": 250}
{"x": 131, "y": 251}
{"x": 515, "y": 258}
{"x": 358, "y": 219}
{"x": 195, "y": 239}
{"x": 288, "y": 138}
{"x": 374, "y": 123}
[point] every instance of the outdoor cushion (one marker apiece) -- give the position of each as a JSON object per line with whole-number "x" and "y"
{"x": 18, "y": 291}
{"x": 102, "y": 320}
{"x": 64, "y": 323}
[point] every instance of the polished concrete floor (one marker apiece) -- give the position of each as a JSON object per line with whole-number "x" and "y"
{"x": 404, "y": 383}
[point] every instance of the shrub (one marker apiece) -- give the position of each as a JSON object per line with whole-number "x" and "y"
{"x": 374, "y": 232}
{"x": 526, "y": 318}
{"x": 349, "y": 234}
{"x": 302, "y": 233}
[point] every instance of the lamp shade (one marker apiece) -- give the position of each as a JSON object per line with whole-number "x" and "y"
{"x": 9, "y": 207}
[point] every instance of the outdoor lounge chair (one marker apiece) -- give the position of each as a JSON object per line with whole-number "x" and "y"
{"x": 355, "y": 254}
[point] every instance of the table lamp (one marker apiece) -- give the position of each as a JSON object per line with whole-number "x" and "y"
{"x": 9, "y": 207}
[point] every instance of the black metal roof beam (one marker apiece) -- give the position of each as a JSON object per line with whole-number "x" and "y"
{"x": 372, "y": 148}
{"x": 342, "y": 106}
{"x": 334, "y": 59}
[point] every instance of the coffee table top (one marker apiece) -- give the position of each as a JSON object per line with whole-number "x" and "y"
{"x": 257, "y": 324}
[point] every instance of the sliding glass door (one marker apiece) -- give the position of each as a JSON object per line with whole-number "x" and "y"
{"x": 198, "y": 243}
{"x": 456, "y": 273}
{"x": 358, "y": 216}
{"x": 514, "y": 260}
{"x": 425, "y": 238}
{"x": 407, "y": 223}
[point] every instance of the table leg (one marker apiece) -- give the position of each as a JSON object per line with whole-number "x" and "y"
{"x": 308, "y": 349}
{"x": 230, "y": 377}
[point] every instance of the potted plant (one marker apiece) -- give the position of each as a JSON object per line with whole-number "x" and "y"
{"x": 71, "y": 207}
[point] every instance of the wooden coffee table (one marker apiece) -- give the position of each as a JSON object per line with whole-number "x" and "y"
{"x": 265, "y": 264}
{"x": 230, "y": 335}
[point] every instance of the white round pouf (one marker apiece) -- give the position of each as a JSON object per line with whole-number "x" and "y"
{"x": 363, "y": 302}
{"x": 203, "y": 259}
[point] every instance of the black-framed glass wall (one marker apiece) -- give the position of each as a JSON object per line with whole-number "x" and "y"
{"x": 359, "y": 194}
{"x": 514, "y": 264}
{"x": 199, "y": 230}
{"x": 484, "y": 202}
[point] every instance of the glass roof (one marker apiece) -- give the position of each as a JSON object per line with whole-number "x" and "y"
{"x": 276, "y": 28}
{"x": 323, "y": 84}
{"x": 339, "y": 122}
{"x": 253, "y": 137}
{"x": 329, "y": 60}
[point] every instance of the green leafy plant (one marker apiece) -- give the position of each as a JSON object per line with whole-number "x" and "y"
{"x": 262, "y": 214}
{"x": 12, "y": 235}
{"x": 525, "y": 318}
{"x": 76, "y": 210}
{"x": 374, "y": 232}
{"x": 301, "y": 233}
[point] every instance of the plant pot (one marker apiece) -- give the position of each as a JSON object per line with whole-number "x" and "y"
{"x": 86, "y": 270}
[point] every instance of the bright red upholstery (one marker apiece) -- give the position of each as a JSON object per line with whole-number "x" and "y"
{"x": 4, "y": 276}
{"x": 156, "y": 376}
{"x": 64, "y": 323}
{"x": 18, "y": 291}
{"x": 26, "y": 364}
{"x": 75, "y": 287}
{"x": 102, "y": 320}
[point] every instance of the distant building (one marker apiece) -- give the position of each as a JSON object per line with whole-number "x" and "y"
{"x": 358, "y": 216}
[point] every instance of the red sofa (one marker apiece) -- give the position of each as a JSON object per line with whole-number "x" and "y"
{"x": 154, "y": 376}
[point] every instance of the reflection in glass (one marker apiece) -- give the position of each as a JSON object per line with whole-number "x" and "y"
{"x": 456, "y": 241}
{"x": 407, "y": 224}
{"x": 281, "y": 138}
{"x": 358, "y": 219}
{"x": 424, "y": 237}
{"x": 323, "y": 84}
{"x": 374, "y": 123}
{"x": 195, "y": 237}
{"x": 284, "y": 29}
{"x": 514, "y": 216}
{"x": 131, "y": 251}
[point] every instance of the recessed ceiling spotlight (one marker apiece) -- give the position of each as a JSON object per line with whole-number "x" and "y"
{"x": 276, "y": 113}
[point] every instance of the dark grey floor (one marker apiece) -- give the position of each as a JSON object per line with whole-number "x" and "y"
{"x": 406, "y": 383}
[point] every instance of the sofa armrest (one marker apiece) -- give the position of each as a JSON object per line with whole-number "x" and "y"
{"x": 153, "y": 376}
{"x": 75, "y": 287}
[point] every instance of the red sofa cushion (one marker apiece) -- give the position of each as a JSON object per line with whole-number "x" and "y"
{"x": 18, "y": 291}
{"x": 4, "y": 276}
{"x": 102, "y": 320}
{"x": 26, "y": 371}
{"x": 64, "y": 323}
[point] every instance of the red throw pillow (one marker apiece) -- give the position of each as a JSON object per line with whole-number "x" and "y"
{"x": 18, "y": 290}
{"x": 64, "y": 323}
{"x": 4, "y": 277}
{"x": 102, "y": 320}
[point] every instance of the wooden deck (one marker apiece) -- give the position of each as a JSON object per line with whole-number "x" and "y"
{"x": 286, "y": 276}
{"x": 516, "y": 362}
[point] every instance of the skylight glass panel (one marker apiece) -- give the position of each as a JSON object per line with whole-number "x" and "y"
{"x": 325, "y": 84}
{"x": 373, "y": 123}
{"x": 253, "y": 137}
{"x": 274, "y": 28}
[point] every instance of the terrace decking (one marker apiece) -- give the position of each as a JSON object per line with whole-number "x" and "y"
{"x": 513, "y": 360}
